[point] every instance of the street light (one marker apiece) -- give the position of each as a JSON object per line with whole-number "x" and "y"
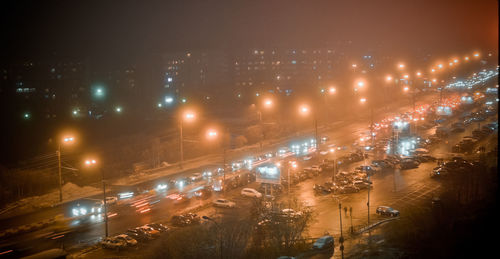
{"x": 65, "y": 140}
{"x": 304, "y": 110}
{"x": 92, "y": 163}
{"x": 187, "y": 116}
{"x": 401, "y": 66}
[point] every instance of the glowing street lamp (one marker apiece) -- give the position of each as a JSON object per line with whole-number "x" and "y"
{"x": 268, "y": 103}
{"x": 466, "y": 58}
{"x": 406, "y": 76}
{"x": 476, "y": 54}
{"x": 401, "y": 66}
{"x": 65, "y": 140}
{"x": 419, "y": 74}
{"x": 362, "y": 100}
{"x": 211, "y": 134}
{"x": 388, "y": 78}
{"x": 187, "y": 116}
{"x": 332, "y": 90}
{"x": 304, "y": 109}
{"x": 440, "y": 66}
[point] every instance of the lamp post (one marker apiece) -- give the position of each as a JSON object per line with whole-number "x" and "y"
{"x": 91, "y": 163}
{"x": 188, "y": 116}
{"x": 341, "y": 239}
{"x": 65, "y": 140}
{"x": 305, "y": 110}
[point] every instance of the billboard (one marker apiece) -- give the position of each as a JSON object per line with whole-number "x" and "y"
{"x": 268, "y": 173}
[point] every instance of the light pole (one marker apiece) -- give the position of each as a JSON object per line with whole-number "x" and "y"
{"x": 65, "y": 140}
{"x": 91, "y": 163}
{"x": 267, "y": 104}
{"x": 219, "y": 230}
{"x": 188, "y": 116}
{"x": 341, "y": 239}
{"x": 212, "y": 135}
{"x": 305, "y": 110}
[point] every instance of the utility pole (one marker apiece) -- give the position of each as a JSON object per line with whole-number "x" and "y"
{"x": 59, "y": 170}
{"x": 181, "y": 143}
{"x": 105, "y": 205}
{"x": 341, "y": 239}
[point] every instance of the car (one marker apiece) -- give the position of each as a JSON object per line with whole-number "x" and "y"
{"x": 223, "y": 203}
{"x": 387, "y": 211}
{"x": 319, "y": 189}
{"x": 316, "y": 168}
{"x": 347, "y": 189}
{"x": 113, "y": 243}
{"x": 150, "y": 231}
{"x": 196, "y": 177}
{"x": 249, "y": 192}
{"x": 127, "y": 239}
{"x": 158, "y": 226}
{"x": 111, "y": 200}
{"x": 97, "y": 208}
{"x": 362, "y": 184}
{"x": 185, "y": 220}
{"x": 291, "y": 213}
{"x": 439, "y": 171}
{"x": 408, "y": 164}
{"x": 178, "y": 198}
{"x": 204, "y": 193}
{"x": 324, "y": 242}
{"x": 138, "y": 235}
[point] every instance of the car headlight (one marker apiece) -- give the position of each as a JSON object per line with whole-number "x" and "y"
{"x": 83, "y": 211}
{"x": 75, "y": 212}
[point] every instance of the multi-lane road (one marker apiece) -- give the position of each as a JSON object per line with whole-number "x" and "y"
{"x": 401, "y": 189}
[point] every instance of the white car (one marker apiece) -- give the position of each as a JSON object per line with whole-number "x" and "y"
{"x": 249, "y": 192}
{"x": 127, "y": 239}
{"x": 196, "y": 177}
{"x": 224, "y": 203}
{"x": 111, "y": 200}
{"x": 316, "y": 168}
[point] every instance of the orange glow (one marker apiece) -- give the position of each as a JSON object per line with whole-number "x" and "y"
{"x": 211, "y": 134}
{"x": 362, "y": 100}
{"x": 406, "y": 76}
{"x": 89, "y": 162}
{"x": 419, "y": 74}
{"x": 332, "y": 90}
{"x": 268, "y": 103}
{"x": 304, "y": 109}
{"x": 401, "y": 66}
{"x": 388, "y": 78}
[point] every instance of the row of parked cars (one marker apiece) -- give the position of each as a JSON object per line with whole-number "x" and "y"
{"x": 133, "y": 236}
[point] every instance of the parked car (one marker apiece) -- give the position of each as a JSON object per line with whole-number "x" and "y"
{"x": 138, "y": 235}
{"x": 249, "y": 192}
{"x": 150, "y": 231}
{"x": 347, "y": 189}
{"x": 127, "y": 239}
{"x": 113, "y": 243}
{"x": 387, "y": 211}
{"x": 319, "y": 189}
{"x": 439, "y": 171}
{"x": 408, "y": 164}
{"x": 323, "y": 243}
{"x": 158, "y": 226}
{"x": 223, "y": 203}
{"x": 185, "y": 220}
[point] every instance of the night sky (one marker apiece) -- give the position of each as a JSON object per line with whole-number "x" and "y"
{"x": 31, "y": 28}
